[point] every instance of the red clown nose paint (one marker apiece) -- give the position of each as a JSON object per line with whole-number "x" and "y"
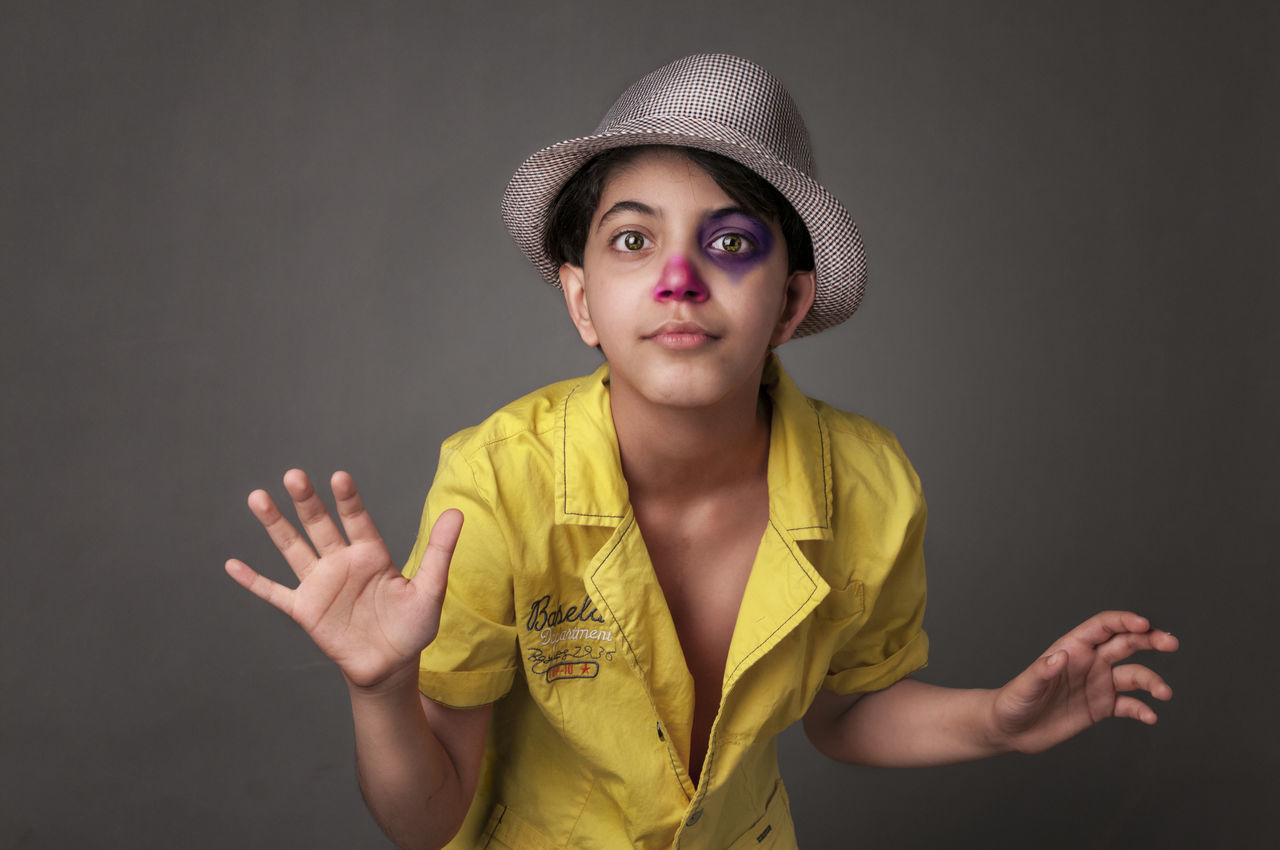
{"x": 680, "y": 282}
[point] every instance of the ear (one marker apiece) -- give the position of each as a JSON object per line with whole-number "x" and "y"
{"x": 575, "y": 298}
{"x": 797, "y": 299}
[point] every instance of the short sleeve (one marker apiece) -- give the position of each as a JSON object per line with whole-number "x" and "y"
{"x": 890, "y": 642}
{"x": 474, "y": 657}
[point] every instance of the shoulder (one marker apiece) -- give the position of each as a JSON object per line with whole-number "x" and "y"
{"x": 869, "y": 466}
{"x": 531, "y": 419}
{"x": 858, "y": 463}
{"x": 856, "y": 428}
{"x": 505, "y": 464}
{"x": 878, "y": 510}
{"x": 856, "y": 439}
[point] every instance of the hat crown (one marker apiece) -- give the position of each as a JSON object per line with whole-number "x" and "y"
{"x": 732, "y": 92}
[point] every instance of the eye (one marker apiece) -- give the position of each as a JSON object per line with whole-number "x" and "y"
{"x": 630, "y": 241}
{"x": 731, "y": 243}
{"x": 735, "y": 240}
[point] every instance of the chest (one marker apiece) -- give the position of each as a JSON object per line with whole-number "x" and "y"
{"x": 702, "y": 559}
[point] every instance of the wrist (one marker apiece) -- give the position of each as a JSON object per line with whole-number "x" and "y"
{"x": 995, "y": 736}
{"x": 399, "y": 683}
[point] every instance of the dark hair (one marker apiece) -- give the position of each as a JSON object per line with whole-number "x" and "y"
{"x": 570, "y": 215}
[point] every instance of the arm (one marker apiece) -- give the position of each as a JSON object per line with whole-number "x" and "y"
{"x": 1075, "y": 684}
{"x": 417, "y": 762}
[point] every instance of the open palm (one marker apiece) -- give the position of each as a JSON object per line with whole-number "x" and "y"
{"x": 351, "y": 599}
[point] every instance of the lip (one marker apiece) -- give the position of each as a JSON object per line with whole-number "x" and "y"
{"x": 681, "y": 335}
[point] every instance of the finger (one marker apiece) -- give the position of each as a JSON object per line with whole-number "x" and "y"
{"x": 1103, "y": 626}
{"x": 297, "y": 552}
{"x": 355, "y": 519}
{"x": 1136, "y": 677}
{"x": 261, "y": 586}
{"x": 433, "y": 574}
{"x": 1121, "y": 646}
{"x": 312, "y": 513}
{"x": 1135, "y": 709}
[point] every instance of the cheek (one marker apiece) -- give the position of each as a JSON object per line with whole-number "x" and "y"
{"x": 737, "y": 266}
{"x": 605, "y": 305}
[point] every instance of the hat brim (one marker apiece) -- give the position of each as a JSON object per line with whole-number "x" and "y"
{"x": 839, "y": 261}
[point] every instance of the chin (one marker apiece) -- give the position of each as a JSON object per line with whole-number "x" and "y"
{"x": 689, "y": 381}
{"x": 688, "y": 391}
{"x": 684, "y": 399}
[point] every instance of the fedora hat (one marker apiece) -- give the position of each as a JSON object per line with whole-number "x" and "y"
{"x": 725, "y": 105}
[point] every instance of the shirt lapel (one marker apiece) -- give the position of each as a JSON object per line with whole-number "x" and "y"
{"x": 784, "y": 587}
{"x": 782, "y": 590}
{"x": 622, "y": 583}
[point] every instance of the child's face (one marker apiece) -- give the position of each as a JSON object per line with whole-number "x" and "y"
{"x": 683, "y": 290}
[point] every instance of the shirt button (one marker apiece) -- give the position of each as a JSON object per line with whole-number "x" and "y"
{"x": 694, "y": 818}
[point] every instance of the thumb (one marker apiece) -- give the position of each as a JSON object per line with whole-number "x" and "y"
{"x": 1032, "y": 684}
{"x": 433, "y": 573}
{"x": 1045, "y": 672}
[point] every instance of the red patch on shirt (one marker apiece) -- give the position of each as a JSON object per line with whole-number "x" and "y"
{"x": 573, "y": 670}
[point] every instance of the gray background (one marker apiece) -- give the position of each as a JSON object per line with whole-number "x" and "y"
{"x": 239, "y": 237}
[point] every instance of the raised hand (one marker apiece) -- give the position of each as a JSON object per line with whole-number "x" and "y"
{"x": 1077, "y": 682}
{"x": 351, "y": 599}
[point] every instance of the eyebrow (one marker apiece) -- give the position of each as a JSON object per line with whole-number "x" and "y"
{"x": 627, "y": 206}
{"x": 645, "y": 209}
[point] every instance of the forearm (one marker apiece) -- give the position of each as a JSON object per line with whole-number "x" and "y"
{"x": 910, "y": 724}
{"x": 407, "y": 775}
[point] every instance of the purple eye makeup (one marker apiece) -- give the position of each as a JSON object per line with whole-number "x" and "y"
{"x": 735, "y": 241}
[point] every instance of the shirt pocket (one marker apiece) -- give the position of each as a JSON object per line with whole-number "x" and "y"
{"x": 508, "y": 831}
{"x": 843, "y": 604}
{"x": 774, "y": 830}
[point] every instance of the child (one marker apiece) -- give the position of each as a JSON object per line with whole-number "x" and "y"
{"x": 668, "y": 562}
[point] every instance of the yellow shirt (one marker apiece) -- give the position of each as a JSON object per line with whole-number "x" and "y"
{"x": 554, "y": 612}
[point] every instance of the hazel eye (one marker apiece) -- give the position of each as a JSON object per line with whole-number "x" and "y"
{"x": 735, "y": 240}
{"x": 630, "y": 241}
{"x": 731, "y": 243}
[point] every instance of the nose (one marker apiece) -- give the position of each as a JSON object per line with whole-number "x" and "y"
{"x": 680, "y": 282}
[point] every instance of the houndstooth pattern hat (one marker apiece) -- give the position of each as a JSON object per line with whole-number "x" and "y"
{"x": 726, "y": 105}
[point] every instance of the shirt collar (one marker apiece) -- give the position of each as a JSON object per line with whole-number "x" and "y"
{"x": 799, "y": 459}
{"x": 590, "y": 488}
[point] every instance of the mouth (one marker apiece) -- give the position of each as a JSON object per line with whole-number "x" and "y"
{"x": 681, "y": 335}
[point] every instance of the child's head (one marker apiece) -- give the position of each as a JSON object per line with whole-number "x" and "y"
{"x": 738, "y": 125}
{"x": 683, "y": 287}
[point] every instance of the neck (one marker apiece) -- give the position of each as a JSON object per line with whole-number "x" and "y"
{"x": 681, "y": 454}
